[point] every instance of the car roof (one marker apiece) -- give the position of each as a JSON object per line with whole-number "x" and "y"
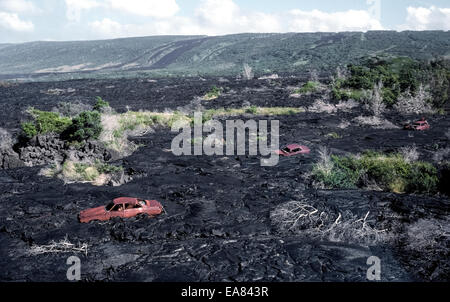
{"x": 130, "y": 200}
{"x": 294, "y": 146}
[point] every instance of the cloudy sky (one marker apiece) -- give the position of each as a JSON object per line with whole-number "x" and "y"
{"x": 60, "y": 20}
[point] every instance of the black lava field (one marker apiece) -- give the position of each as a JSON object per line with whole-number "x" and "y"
{"x": 217, "y": 223}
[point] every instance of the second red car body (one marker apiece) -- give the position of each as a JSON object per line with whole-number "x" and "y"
{"x": 421, "y": 125}
{"x": 124, "y": 207}
{"x": 293, "y": 149}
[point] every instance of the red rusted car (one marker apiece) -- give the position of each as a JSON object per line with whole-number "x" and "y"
{"x": 294, "y": 149}
{"x": 125, "y": 207}
{"x": 421, "y": 125}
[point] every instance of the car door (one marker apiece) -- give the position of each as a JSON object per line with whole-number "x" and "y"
{"x": 132, "y": 210}
{"x": 296, "y": 151}
{"x": 116, "y": 211}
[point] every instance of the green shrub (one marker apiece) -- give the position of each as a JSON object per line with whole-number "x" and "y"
{"x": 390, "y": 172}
{"x": 100, "y": 104}
{"x": 103, "y": 168}
{"x": 423, "y": 178}
{"x": 45, "y": 122}
{"x": 29, "y": 129}
{"x": 87, "y": 125}
{"x": 252, "y": 110}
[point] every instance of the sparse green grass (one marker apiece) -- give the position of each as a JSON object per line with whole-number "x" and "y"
{"x": 390, "y": 172}
{"x": 117, "y": 127}
{"x": 309, "y": 87}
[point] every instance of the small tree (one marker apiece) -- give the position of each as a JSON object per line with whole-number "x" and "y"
{"x": 85, "y": 126}
{"x": 100, "y": 104}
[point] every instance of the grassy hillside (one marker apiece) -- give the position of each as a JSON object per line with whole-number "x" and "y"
{"x": 223, "y": 55}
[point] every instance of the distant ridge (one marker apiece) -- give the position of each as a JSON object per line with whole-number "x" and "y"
{"x": 216, "y": 56}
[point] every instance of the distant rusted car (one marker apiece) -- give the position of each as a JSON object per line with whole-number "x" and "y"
{"x": 421, "y": 125}
{"x": 124, "y": 207}
{"x": 293, "y": 149}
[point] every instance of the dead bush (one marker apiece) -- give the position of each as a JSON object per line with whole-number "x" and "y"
{"x": 302, "y": 218}
{"x": 248, "y": 72}
{"x": 375, "y": 122}
{"x": 63, "y": 246}
{"x": 347, "y": 106}
{"x": 417, "y": 104}
{"x": 320, "y": 106}
{"x": 375, "y": 102}
{"x": 410, "y": 153}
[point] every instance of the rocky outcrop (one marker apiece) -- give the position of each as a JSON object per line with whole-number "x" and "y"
{"x": 49, "y": 149}
{"x": 8, "y": 158}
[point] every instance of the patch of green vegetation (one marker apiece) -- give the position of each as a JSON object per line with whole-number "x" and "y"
{"x": 213, "y": 94}
{"x": 45, "y": 122}
{"x": 252, "y": 110}
{"x": 398, "y": 76}
{"x": 309, "y": 87}
{"x": 100, "y": 104}
{"x": 390, "y": 172}
{"x": 347, "y": 93}
{"x": 104, "y": 168}
{"x": 87, "y": 125}
{"x": 29, "y": 129}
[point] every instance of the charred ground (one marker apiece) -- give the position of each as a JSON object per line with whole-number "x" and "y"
{"x": 217, "y": 225}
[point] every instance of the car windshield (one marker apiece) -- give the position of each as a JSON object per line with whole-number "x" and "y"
{"x": 114, "y": 207}
{"x": 287, "y": 150}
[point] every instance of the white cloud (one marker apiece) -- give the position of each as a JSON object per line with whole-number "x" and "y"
{"x": 147, "y": 8}
{"x": 19, "y": 6}
{"x": 12, "y": 21}
{"x": 218, "y": 17}
{"x": 432, "y": 18}
{"x": 108, "y": 28}
{"x": 218, "y": 12}
{"x": 75, "y": 7}
{"x": 314, "y": 21}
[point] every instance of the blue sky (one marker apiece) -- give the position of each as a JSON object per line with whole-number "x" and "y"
{"x": 32, "y": 20}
